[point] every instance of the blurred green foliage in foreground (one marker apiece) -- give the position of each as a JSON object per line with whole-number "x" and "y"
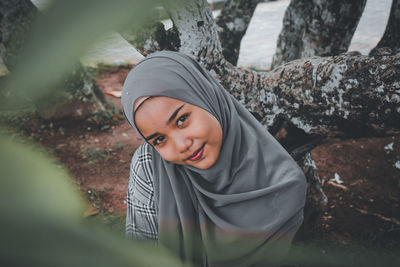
{"x": 42, "y": 223}
{"x": 60, "y": 35}
{"x": 41, "y": 212}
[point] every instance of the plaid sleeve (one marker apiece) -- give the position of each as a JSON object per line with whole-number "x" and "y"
{"x": 141, "y": 219}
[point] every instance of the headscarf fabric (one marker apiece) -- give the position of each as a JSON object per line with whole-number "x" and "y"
{"x": 242, "y": 211}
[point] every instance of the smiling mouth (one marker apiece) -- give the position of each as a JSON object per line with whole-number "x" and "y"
{"x": 197, "y": 154}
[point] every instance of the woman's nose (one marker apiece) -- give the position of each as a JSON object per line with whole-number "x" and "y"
{"x": 183, "y": 143}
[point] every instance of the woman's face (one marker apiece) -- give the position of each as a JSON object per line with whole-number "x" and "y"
{"x": 182, "y": 133}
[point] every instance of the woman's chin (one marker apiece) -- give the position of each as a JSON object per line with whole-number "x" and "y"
{"x": 205, "y": 163}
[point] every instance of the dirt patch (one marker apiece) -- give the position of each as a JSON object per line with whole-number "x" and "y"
{"x": 363, "y": 205}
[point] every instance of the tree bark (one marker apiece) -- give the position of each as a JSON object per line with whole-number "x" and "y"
{"x": 152, "y": 37}
{"x": 317, "y": 28}
{"x": 349, "y": 94}
{"x": 232, "y": 25}
{"x": 16, "y": 18}
{"x": 197, "y": 31}
{"x": 391, "y": 37}
{"x": 233, "y": 22}
{"x": 316, "y": 200}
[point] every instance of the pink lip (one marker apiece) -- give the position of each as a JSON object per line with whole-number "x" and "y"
{"x": 197, "y": 154}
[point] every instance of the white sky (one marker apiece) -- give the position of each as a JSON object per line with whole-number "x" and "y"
{"x": 259, "y": 43}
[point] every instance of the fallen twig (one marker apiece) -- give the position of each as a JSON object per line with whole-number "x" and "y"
{"x": 393, "y": 220}
{"x": 91, "y": 212}
{"x": 114, "y": 93}
{"x": 345, "y": 188}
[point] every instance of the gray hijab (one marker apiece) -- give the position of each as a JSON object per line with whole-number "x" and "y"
{"x": 246, "y": 208}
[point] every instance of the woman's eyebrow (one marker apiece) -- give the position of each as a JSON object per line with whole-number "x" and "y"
{"x": 174, "y": 114}
{"x": 151, "y": 136}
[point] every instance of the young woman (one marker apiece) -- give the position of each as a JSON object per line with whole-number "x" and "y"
{"x": 210, "y": 182}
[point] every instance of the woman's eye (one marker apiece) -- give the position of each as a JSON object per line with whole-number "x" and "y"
{"x": 182, "y": 119}
{"x": 158, "y": 140}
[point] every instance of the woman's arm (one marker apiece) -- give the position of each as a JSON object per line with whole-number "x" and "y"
{"x": 141, "y": 219}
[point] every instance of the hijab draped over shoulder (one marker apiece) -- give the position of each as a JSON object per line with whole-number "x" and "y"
{"x": 246, "y": 208}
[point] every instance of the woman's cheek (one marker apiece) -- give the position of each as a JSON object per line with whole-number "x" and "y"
{"x": 166, "y": 154}
{"x": 201, "y": 130}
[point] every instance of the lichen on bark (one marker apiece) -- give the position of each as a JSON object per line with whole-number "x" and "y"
{"x": 348, "y": 94}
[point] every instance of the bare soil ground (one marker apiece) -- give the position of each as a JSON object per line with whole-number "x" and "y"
{"x": 364, "y": 209}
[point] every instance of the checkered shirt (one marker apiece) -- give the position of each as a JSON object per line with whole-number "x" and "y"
{"x": 141, "y": 216}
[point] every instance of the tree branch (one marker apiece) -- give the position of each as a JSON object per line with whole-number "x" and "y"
{"x": 152, "y": 37}
{"x": 233, "y": 22}
{"x": 317, "y": 28}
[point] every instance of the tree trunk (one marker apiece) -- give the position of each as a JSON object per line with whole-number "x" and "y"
{"x": 317, "y": 28}
{"x": 197, "y": 32}
{"x": 16, "y": 18}
{"x": 391, "y": 37}
{"x": 152, "y": 37}
{"x": 233, "y": 22}
{"x": 232, "y": 25}
{"x": 76, "y": 97}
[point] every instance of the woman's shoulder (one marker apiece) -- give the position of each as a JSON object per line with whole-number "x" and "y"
{"x": 141, "y": 167}
{"x": 142, "y": 155}
{"x": 141, "y": 174}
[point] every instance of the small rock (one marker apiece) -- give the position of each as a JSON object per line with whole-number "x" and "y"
{"x": 337, "y": 179}
{"x": 397, "y": 164}
{"x": 389, "y": 146}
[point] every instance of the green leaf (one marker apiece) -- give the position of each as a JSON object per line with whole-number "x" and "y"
{"x": 42, "y": 219}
